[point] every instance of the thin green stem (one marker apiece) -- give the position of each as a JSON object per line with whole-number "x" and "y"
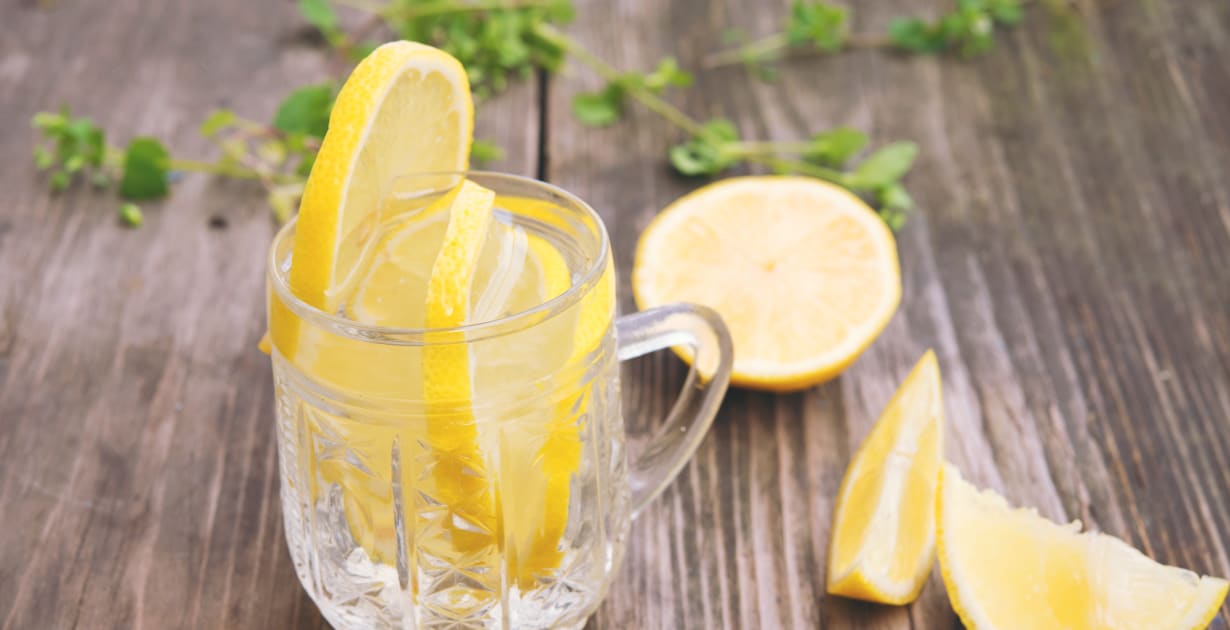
{"x": 798, "y": 166}
{"x": 758, "y": 50}
{"x": 743, "y": 149}
{"x": 235, "y": 171}
{"x": 609, "y": 73}
{"x": 213, "y": 168}
{"x": 776, "y": 47}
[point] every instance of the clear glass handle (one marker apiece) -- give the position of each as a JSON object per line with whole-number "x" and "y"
{"x": 702, "y": 331}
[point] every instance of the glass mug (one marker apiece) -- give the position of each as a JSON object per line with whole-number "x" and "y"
{"x": 506, "y": 510}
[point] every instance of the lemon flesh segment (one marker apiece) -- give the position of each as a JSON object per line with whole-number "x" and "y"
{"x": 883, "y": 537}
{"x": 406, "y": 108}
{"x": 804, "y": 274}
{"x": 1009, "y": 569}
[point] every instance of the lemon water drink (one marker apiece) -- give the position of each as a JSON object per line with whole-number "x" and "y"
{"x": 444, "y": 344}
{"x": 441, "y": 433}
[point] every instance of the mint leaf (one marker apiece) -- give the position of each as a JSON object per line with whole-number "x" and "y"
{"x": 835, "y": 147}
{"x": 43, "y": 158}
{"x": 360, "y": 50}
{"x": 667, "y": 74}
{"x": 130, "y": 214}
{"x": 305, "y": 164}
{"x": 216, "y": 121}
{"x": 703, "y": 154}
{"x": 48, "y": 121}
{"x": 822, "y": 24}
{"x": 599, "y": 109}
{"x": 915, "y": 35}
{"x": 1006, "y": 12}
{"x": 483, "y": 152}
{"x": 74, "y": 163}
{"x": 320, "y": 14}
{"x": 893, "y": 217}
{"x": 969, "y": 28}
{"x": 146, "y": 163}
{"x": 896, "y": 197}
{"x": 884, "y": 167}
{"x": 306, "y": 110}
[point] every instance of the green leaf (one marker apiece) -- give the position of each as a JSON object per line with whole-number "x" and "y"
{"x": 320, "y": 14}
{"x": 216, "y": 121}
{"x": 360, "y": 50}
{"x": 305, "y": 164}
{"x": 48, "y": 121}
{"x": 667, "y": 74}
{"x": 893, "y": 217}
{"x": 130, "y": 214}
{"x": 483, "y": 152}
{"x": 74, "y": 163}
{"x": 703, "y": 154}
{"x": 895, "y": 196}
{"x": 95, "y": 150}
{"x": 835, "y": 147}
{"x": 306, "y": 110}
{"x": 721, "y": 129}
{"x": 915, "y": 35}
{"x": 599, "y": 109}
{"x": 884, "y": 167}
{"x": 43, "y": 158}
{"x": 146, "y": 163}
{"x": 822, "y": 24}
{"x": 1006, "y": 12}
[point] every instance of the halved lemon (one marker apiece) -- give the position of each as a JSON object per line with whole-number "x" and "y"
{"x": 1011, "y": 569}
{"x": 883, "y": 539}
{"x": 803, "y": 272}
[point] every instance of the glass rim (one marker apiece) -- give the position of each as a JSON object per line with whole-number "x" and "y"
{"x": 465, "y": 333}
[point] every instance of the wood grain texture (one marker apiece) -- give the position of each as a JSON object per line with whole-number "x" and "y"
{"x": 1070, "y": 264}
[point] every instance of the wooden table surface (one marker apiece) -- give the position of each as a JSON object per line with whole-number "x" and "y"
{"x": 1069, "y": 262}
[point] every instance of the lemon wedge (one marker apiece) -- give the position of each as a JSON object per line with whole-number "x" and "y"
{"x": 1009, "y": 569}
{"x": 883, "y": 540}
{"x": 804, "y": 274}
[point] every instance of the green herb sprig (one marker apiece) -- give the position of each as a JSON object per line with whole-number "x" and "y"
{"x": 497, "y": 41}
{"x": 494, "y": 39}
{"x": 714, "y": 146}
{"x": 820, "y": 27}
